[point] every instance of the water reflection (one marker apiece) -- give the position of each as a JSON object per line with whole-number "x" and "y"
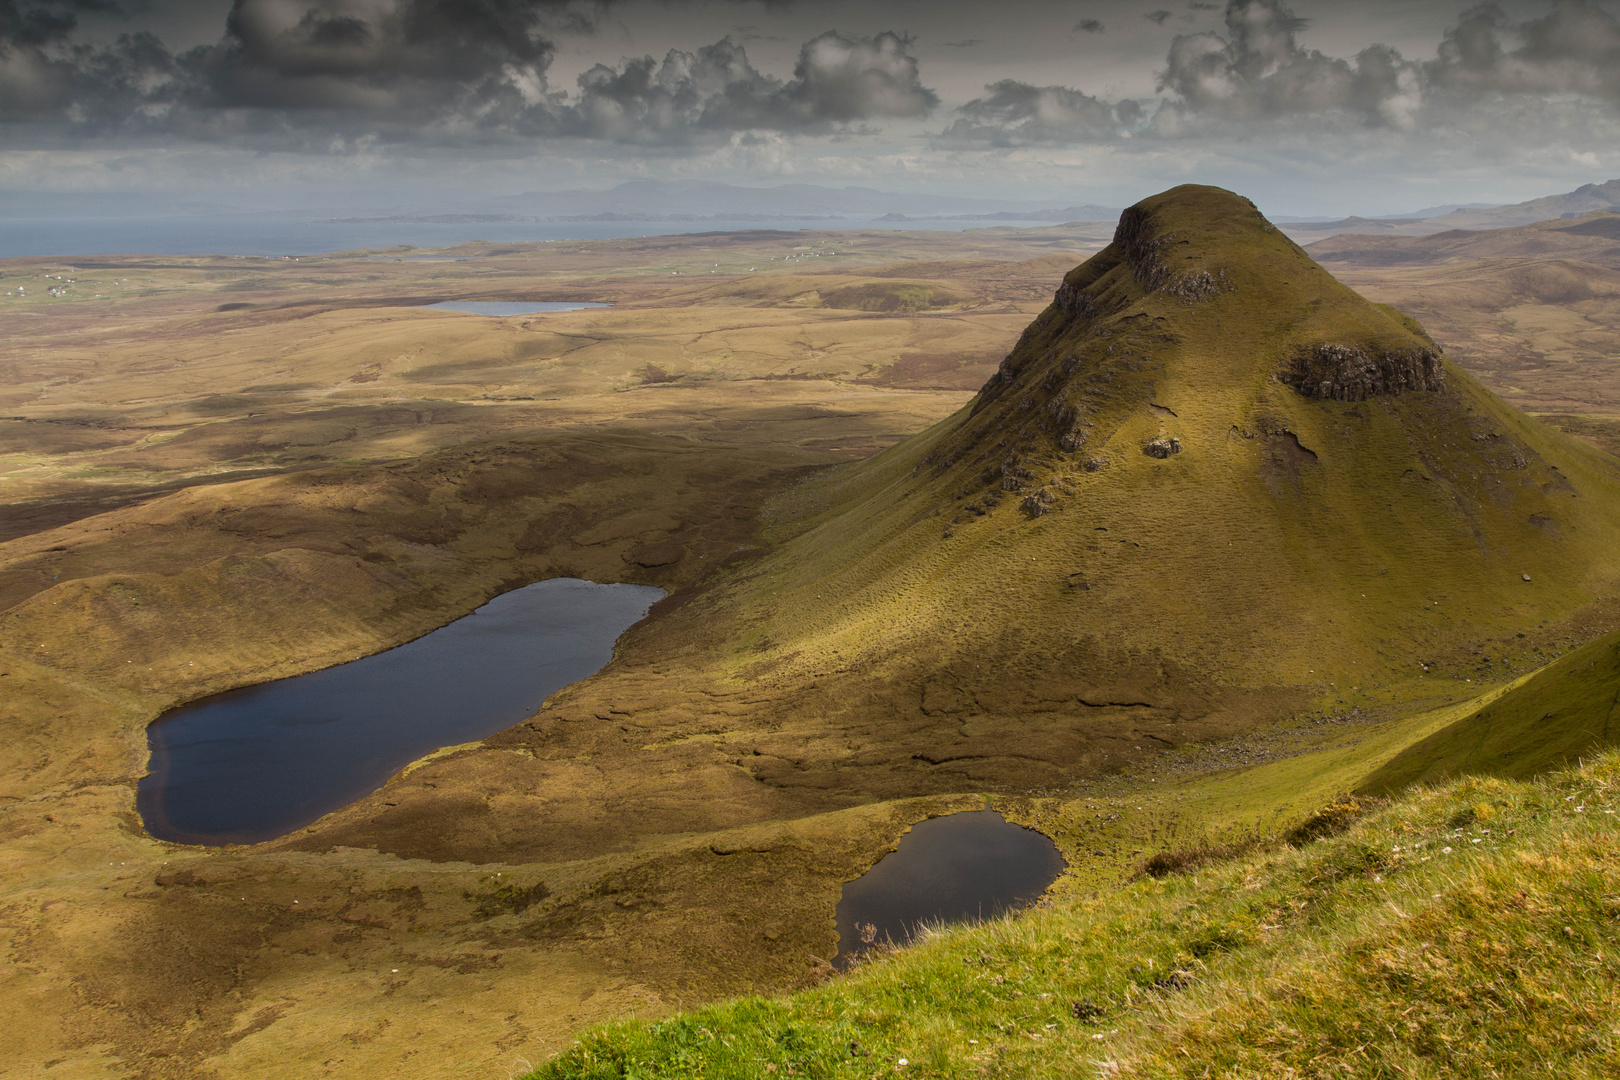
{"x": 507, "y": 308}
{"x": 257, "y": 763}
{"x": 958, "y": 868}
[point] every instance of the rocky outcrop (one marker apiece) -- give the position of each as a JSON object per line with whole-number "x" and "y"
{"x": 1136, "y": 239}
{"x": 1038, "y": 503}
{"x": 1162, "y": 447}
{"x": 1199, "y": 285}
{"x": 1355, "y": 372}
{"x": 1073, "y": 299}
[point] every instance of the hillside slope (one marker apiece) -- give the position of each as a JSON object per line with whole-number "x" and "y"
{"x": 1210, "y": 487}
{"x": 1583, "y": 200}
{"x": 1566, "y": 710}
{"x": 1469, "y": 932}
{"x": 1594, "y": 239}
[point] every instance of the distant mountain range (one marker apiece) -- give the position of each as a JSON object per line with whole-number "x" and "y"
{"x": 1586, "y": 199}
{"x": 1593, "y": 239}
{"x": 688, "y": 201}
{"x": 1583, "y": 200}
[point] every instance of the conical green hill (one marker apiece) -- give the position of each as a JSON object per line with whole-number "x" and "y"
{"x": 1210, "y": 487}
{"x": 1210, "y": 484}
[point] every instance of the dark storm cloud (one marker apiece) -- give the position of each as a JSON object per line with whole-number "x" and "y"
{"x": 318, "y": 73}
{"x": 1017, "y": 114}
{"x": 1574, "y": 48}
{"x": 837, "y": 80}
{"x": 840, "y": 79}
{"x": 408, "y": 60}
{"x": 395, "y": 62}
{"x": 37, "y": 22}
{"x": 295, "y": 74}
{"x": 1256, "y": 71}
{"x": 44, "y": 76}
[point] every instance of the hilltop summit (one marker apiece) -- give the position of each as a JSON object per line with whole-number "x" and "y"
{"x": 1110, "y": 342}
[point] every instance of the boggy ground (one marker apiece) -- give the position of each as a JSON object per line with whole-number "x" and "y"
{"x": 237, "y": 469}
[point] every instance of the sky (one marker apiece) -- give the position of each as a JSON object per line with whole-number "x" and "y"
{"x": 1377, "y": 106}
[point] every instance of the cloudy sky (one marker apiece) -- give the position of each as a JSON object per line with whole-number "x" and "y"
{"x": 1334, "y": 107}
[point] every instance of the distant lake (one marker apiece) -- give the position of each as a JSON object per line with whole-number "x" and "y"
{"x": 266, "y": 236}
{"x": 505, "y": 308}
{"x": 958, "y": 868}
{"x": 257, "y": 763}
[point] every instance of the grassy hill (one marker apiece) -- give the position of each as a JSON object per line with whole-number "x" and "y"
{"x": 1028, "y": 593}
{"x": 1295, "y": 540}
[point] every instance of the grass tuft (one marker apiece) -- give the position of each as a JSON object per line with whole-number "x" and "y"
{"x": 1331, "y": 820}
{"x": 1186, "y": 860}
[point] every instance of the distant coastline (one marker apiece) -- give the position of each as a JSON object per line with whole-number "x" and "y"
{"x": 263, "y": 236}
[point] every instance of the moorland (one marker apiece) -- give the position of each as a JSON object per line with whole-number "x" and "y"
{"x": 893, "y": 595}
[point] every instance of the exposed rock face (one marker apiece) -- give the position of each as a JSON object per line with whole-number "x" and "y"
{"x": 1142, "y": 245}
{"x": 1072, "y": 298}
{"x": 1354, "y": 373}
{"x": 1200, "y": 285}
{"x": 1138, "y": 242}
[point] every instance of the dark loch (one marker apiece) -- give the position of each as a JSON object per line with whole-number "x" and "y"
{"x": 507, "y": 308}
{"x": 256, "y": 763}
{"x": 958, "y": 868}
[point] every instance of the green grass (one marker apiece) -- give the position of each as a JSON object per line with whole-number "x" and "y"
{"x": 1471, "y": 930}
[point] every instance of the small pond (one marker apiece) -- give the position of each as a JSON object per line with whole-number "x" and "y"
{"x": 507, "y": 308}
{"x": 256, "y": 763}
{"x": 958, "y": 868}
